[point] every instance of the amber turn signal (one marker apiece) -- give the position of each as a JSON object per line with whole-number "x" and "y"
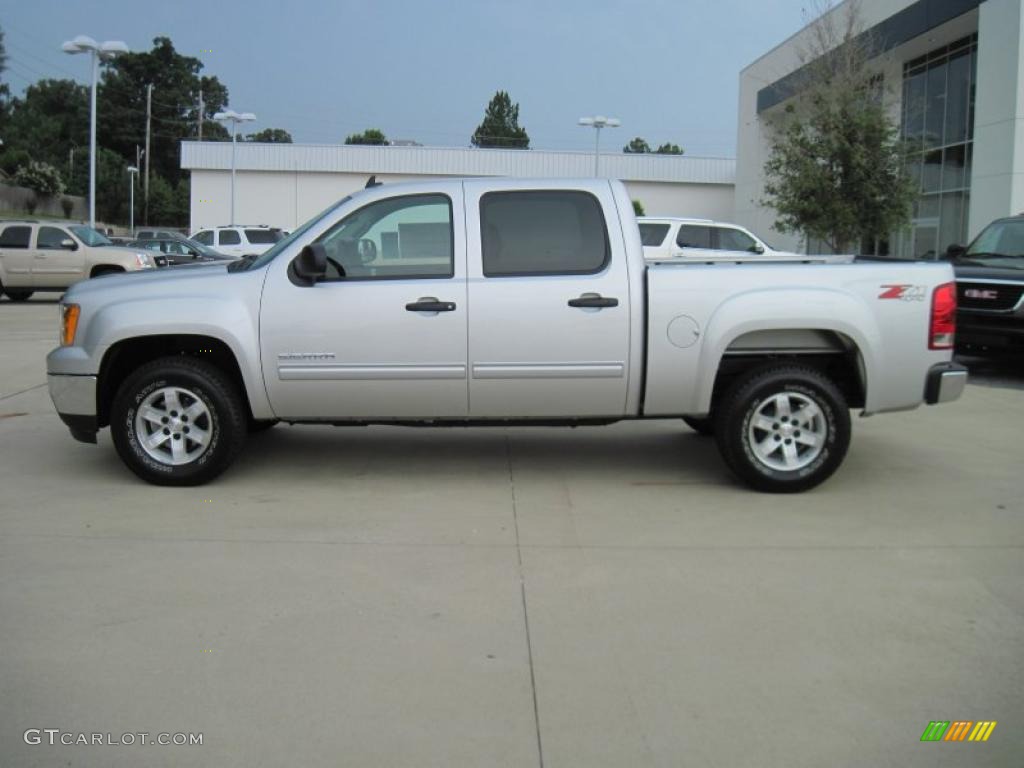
{"x": 69, "y": 323}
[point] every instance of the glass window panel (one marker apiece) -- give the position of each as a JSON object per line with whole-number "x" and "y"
{"x": 924, "y": 242}
{"x": 914, "y": 107}
{"x": 50, "y": 238}
{"x": 653, "y": 234}
{"x": 935, "y": 105}
{"x": 914, "y": 171}
{"x": 954, "y": 159}
{"x": 931, "y": 176}
{"x": 974, "y": 81}
{"x": 951, "y": 229}
{"x": 694, "y": 237}
{"x": 734, "y": 240}
{"x": 958, "y": 97}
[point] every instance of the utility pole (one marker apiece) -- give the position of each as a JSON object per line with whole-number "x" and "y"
{"x": 145, "y": 182}
{"x": 200, "y": 114}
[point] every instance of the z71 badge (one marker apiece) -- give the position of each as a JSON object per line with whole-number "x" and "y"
{"x": 904, "y": 292}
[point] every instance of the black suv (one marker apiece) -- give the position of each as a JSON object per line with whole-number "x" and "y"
{"x": 990, "y": 289}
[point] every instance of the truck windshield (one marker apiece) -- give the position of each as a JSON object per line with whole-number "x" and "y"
{"x": 1000, "y": 244}
{"x": 243, "y": 265}
{"x": 89, "y": 236}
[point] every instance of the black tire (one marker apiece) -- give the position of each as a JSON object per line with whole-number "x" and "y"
{"x": 16, "y": 294}
{"x": 224, "y": 421}
{"x": 261, "y": 425}
{"x": 755, "y": 396}
{"x": 702, "y": 425}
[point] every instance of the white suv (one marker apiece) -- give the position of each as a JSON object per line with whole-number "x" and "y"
{"x": 703, "y": 240}
{"x": 239, "y": 239}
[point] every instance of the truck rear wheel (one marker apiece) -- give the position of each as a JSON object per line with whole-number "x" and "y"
{"x": 783, "y": 428}
{"x": 178, "y": 421}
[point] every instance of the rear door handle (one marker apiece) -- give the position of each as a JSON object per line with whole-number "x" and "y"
{"x": 430, "y": 304}
{"x": 593, "y": 301}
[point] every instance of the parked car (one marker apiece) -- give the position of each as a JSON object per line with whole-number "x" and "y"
{"x": 990, "y": 289}
{"x": 159, "y": 234}
{"x": 499, "y": 301}
{"x": 183, "y": 251}
{"x": 239, "y": 240}
{"x": 50, "y": 256}
{"x": 707, "y": 240}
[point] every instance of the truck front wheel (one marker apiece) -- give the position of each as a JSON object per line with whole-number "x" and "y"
{"x": 783, "y": 428}
{"x": 178, "y": 421}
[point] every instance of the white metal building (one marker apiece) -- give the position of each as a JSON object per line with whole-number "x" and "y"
{"x": 285, "y": 184}
{"x": 953, "y": 76}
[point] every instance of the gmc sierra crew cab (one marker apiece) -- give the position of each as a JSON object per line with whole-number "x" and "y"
{"x": 499, "y": 302}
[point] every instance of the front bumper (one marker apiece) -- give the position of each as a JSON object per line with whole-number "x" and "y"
{"x": 74, "y": 397}
{"x": 945, "y": 382}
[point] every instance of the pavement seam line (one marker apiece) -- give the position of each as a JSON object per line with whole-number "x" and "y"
{"x": 22, "y": 392}
{"x": 522, "y": 592}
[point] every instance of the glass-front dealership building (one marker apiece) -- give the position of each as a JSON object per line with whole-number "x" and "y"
{"x": 953, "y": 79}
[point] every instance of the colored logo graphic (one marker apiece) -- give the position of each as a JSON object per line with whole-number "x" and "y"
{"x": 958, "y": 730}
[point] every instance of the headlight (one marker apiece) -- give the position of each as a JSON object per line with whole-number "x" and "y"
{"x": 68, "y": 323}
{"x": 144, "y": 261}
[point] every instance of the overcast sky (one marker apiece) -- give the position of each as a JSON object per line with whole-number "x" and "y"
{"x": 425, "y": 70}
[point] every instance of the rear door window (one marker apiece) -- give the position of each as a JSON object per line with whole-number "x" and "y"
{"x": 543, "y": 232}
{"x": 229, "y": 237}
{"x": 694, "y": 236}
{"x": 15, "y": 237}
{"x": 205, "y": 237}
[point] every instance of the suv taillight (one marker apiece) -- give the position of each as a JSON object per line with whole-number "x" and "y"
{"x": 943, "y": 322}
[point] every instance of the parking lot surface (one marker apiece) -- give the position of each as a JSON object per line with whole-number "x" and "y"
{"x": 511, "y": 597}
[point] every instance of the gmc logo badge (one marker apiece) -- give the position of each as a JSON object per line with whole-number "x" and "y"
{"x": 978, "y": 293}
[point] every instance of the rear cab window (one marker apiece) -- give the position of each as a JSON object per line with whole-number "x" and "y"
{"x": 653, "y": 234}
{"x": 542, "y": 232}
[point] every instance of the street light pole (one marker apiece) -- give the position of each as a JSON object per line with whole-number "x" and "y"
{"x": 230, "y": 116}
{"x": 97, "y": 52}
{"x": 132, "y": 172}
{"x": 597, "y": 123}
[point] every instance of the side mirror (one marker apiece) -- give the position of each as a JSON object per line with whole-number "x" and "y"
{"x": 955, "y": 251}
{"x": 756, "y": 248}
{"x": 68, "y": 244}
{"x": 311, "y": 264}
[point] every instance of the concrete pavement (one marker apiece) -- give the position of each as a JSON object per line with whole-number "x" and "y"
{"x": 522, "y": 597}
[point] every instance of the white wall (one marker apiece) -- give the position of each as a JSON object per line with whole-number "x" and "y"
{"x": 997, "y": 174}
{"x": 286, "y": 199}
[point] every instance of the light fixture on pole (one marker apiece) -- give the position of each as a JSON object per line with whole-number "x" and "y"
{"x": 132, "y": 173}
{"x": 230, "y": 116}
{"x": 97, "y": 51}
{"x": 597, "y": 123}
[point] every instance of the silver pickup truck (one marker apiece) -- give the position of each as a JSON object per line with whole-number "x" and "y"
{"x": 499, "y": 302}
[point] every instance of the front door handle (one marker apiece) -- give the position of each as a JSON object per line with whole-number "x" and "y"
{"x": 430, "y": 304}
{"x": 594, "y": 301}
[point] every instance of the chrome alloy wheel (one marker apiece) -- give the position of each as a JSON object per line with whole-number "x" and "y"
{"x": 787, "y": 431}
{"x": 173, "y": 426}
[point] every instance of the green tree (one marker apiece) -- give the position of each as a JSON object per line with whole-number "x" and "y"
{"x": 176, "y": 81}
{"x": 5, "y": 91}
{"x": 669, "y": 149}
{"x": 638, "y": 208}
{"x": 41, "y": 178}
{"x": 50, "y": 120}
{"x": 836, "y": 170}
{"x": 271, "y": 136}
{"x": 500, "y": 127}
{"x": 373, "y": 136}
{"x": 637, "y": 146}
